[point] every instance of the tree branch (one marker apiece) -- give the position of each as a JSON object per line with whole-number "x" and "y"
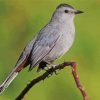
{"x": 51, "y": 71}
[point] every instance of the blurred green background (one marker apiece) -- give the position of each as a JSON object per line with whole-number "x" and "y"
{"x": 20, "y": 20}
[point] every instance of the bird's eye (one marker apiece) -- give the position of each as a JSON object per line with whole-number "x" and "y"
{"x": 66, "y": 11}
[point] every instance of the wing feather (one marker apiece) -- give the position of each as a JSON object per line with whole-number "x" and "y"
{"x": 44, "y": 44}
{"x": 25, "y": 53}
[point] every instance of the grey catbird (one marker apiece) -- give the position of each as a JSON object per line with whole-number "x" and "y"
{"x": 52, "y": 42}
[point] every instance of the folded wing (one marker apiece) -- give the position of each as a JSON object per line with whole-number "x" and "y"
{"x": 45, "y": 42}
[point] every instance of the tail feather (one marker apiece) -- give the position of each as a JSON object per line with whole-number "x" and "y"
{"x": 22, "y": 62}
{"x": 8, "y": 80}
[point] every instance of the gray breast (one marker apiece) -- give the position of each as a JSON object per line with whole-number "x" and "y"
{"x": 61, "y": 47}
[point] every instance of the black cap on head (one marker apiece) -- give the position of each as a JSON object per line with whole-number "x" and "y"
{"x": 65, "y": 5}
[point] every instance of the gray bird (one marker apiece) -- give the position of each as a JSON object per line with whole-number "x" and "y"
{"x": 52, "y": 42}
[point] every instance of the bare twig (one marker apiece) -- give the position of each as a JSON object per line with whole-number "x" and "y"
{"x": 76, "y": 78}
{"x": 50, "y": 71}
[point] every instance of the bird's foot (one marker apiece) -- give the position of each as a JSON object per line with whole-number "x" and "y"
{"x": 53, "y": 71}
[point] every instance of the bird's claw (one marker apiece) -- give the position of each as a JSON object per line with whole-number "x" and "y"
{"x": 53, "y": 72}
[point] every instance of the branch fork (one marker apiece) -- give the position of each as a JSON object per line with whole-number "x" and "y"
{"x": 49, "y": 72}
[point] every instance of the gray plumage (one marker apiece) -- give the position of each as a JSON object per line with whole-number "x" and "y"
{"x": 52, "y": 42}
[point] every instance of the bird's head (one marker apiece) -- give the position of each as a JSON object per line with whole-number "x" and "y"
{"x": 65, "y": 12}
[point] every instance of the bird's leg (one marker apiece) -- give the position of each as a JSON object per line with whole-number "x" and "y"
{"x": 51, "y": 65}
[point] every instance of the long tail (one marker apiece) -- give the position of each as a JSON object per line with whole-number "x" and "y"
{"x": 8, "y": 80}
{"x": 22, "y": 63}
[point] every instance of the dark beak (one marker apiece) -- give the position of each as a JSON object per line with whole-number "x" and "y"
{"x": 78, "y": 12}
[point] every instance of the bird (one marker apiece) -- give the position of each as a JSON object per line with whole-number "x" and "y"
{"x": 51, "y": 43}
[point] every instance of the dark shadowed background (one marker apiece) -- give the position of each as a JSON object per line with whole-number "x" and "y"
{"x": 20, "y": 20}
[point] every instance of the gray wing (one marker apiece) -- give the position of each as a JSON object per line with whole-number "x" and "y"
{"x": 45, "y": 42}
{"x": 25, "y": 53}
